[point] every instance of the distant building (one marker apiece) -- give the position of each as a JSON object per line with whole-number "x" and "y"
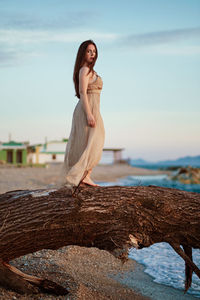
{"x": 112, "y": 156}
{"x": 13, "y": 152}
{"x": 22, "y": 153}
{"x": 52, "y": 151}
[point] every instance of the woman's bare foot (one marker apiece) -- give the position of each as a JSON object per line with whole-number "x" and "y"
{"x": 88, "y": 180}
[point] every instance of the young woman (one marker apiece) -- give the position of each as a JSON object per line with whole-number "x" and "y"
{"x": 86, "y": 140}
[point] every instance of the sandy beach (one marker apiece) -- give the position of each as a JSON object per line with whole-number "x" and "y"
{"x": 13, "y": 178}
{"x": 88, "y": 273}
{"x": 85, "y": 272}
{"x": 116, "y": 171}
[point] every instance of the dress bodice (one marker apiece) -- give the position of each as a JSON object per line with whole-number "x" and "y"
{"x": 96, "y": 86}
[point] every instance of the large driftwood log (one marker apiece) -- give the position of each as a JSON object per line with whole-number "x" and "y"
{"x": 110, "y": 218}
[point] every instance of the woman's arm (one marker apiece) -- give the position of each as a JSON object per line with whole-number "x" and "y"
{"x": 83, "y": 84}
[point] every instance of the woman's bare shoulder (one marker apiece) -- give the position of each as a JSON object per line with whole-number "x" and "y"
{"x": 84, "y": 70}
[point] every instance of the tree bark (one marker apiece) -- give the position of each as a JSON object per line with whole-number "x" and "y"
{"x": 110, "y": 218}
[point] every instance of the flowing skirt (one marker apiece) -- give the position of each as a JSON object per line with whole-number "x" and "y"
{"x": 85, "y": 144}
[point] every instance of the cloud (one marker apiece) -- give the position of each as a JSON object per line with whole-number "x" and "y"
{"x": 17, "y": 45}
{"x": 159, "y": 37}
{"x": 13, "y": 57}
{"x": 66, "y": 20}
{"x": 20, "y": 37}
{"x": 175, "y": 50}
{"x": 169, "y": 42}
{"x": 20, "y": 31}
{"x": 7, "y": 57}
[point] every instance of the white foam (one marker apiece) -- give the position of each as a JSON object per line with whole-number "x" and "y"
{"x": 166, "y": 266}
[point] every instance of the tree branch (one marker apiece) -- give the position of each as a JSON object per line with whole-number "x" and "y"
{"x": 110, "y": 218}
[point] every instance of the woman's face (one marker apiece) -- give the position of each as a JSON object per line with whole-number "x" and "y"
{"x": 90, "y": 53}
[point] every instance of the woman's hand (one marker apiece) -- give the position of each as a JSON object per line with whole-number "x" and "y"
{"x": 91, "y": 120}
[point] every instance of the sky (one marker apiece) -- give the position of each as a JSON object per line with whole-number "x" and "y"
{"x": 148, "y": 59}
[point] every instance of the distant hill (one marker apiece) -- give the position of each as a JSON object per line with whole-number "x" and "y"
{"x": 139, "y": 161}
{"x": 193, "y": 161}
{"x": 183, "y": 161}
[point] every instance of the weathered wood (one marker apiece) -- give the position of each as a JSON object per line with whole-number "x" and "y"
{"x": 110, "y": 218}
{"x": 12, "y": 278}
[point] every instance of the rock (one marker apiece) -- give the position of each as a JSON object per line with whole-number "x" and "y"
{"x": 187, "y": 175}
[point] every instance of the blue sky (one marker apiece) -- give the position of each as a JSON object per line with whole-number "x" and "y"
{"x": 149, "y": 60}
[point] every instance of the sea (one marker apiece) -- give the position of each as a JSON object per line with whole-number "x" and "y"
{"x": 160, "y": 261}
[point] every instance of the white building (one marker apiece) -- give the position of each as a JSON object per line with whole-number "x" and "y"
{"x": 53, "y": 151}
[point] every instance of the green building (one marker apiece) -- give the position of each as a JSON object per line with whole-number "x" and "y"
{"x": 13, "y": 153}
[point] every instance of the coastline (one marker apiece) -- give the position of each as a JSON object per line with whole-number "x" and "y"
{"x": 14, "y": 178}
{"x": 144, "y": 284}
{"x": 111, "y": 173}
{"x": 91, "y": 274}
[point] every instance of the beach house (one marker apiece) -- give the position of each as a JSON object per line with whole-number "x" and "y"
{"x": 23, "y": 153}
{"x": 13, "y": 152}
{"x": 49, "y": 152}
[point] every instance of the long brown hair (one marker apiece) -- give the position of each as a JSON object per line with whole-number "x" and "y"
{"x": 80, "y": 59}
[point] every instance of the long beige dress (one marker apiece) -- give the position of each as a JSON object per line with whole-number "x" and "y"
{"x": 85, "y": 144}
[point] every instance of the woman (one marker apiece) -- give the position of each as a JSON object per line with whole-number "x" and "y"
{"x": 85, "y": 144}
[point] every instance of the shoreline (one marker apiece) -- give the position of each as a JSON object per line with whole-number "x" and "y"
{"x": 14, "y": 178}
{"x": 144, "y": 284}
{"x": 111, "y": 173}
{"x": 91, "y": 274}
